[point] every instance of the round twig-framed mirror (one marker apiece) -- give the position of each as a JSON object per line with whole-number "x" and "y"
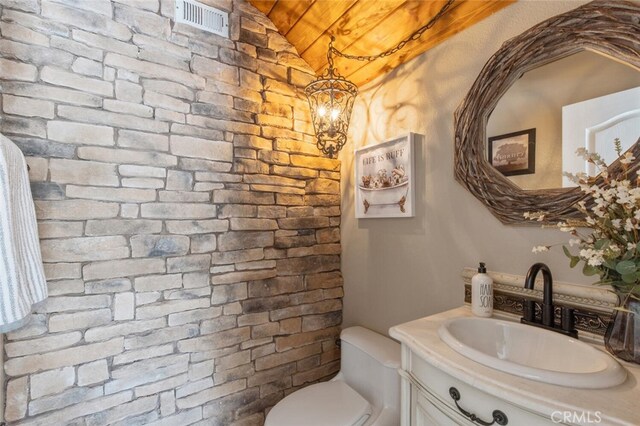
{"x": 605, "y": 27}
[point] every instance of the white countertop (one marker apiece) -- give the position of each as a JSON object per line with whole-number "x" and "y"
{"x": 619, "y": 405}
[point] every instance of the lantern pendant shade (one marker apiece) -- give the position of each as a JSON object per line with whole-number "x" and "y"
{"x": 331, "y": 101}
{"x": 331, "y": 96}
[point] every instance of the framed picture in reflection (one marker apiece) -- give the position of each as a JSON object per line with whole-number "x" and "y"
{"x": 513, "y": 153}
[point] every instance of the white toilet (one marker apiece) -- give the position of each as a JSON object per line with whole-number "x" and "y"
{"x": 366, "y": 391}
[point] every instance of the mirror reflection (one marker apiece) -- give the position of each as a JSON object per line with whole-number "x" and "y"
{"x": 583, "y": 100}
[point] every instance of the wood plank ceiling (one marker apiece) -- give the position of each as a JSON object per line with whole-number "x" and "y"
{"x": 368, "y": 27}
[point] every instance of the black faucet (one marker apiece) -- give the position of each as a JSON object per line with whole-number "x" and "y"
{"x": 547, "y": 319}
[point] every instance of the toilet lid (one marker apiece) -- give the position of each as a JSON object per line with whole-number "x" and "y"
{"x": 323, "y": 404}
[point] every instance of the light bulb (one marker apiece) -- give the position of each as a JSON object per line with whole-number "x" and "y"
{"x": 335, "y": 113}
{"x": 322, "y": 111}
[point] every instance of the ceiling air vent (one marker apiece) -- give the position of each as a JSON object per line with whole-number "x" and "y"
{"x": 204, "y": 17}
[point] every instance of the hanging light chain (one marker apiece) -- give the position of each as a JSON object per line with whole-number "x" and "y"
{"x": 414, "y": 36}
{"x": 331, "y": 130}
{"x": 330, "y": 70}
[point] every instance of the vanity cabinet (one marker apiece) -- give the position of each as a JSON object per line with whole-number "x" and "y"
{"x": 432, "y": 397}
{"x": 441, "y": 387}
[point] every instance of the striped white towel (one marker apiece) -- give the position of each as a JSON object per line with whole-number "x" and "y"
{"x": 22, "y": 282}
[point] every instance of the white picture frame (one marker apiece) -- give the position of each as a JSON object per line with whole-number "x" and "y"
{"x": 384, "y": 179}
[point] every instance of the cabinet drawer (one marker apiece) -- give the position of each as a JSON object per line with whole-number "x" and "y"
{"x": 438, "y": 385}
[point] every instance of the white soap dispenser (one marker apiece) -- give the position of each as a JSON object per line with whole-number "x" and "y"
{"x": 482, "y": 293}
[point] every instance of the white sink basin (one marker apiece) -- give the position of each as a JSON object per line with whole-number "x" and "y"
{"x": 532, "y": 352}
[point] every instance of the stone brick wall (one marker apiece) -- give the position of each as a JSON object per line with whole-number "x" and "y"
{"x": 189, "y": 230}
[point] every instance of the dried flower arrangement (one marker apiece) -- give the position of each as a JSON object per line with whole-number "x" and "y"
{"x": 612, "y": 249}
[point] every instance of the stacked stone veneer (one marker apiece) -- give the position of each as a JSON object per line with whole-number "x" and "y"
{"x": 189, "y": 230}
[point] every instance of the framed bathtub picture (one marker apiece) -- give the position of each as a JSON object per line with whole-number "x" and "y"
{"x": 384, "y": 181}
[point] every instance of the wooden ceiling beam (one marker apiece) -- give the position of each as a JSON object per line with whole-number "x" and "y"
{"x": 368, "y": 28}
{"x": 285, "y": 14}
{"x": 263, "y": 6}
{"x": 353, "y": 25}
{"x": 315, "y": 21}
{"x": 465, "y": 15}
{"x": 393, "y": 30}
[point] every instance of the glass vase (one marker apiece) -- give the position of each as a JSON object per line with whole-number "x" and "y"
{"x": 622, "y": 337}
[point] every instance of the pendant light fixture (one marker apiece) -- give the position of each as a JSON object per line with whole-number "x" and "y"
{"x": 331, "y": 96}
{"x": 331, "y": 100}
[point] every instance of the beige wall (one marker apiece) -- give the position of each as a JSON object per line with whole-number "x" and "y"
{"x": 397, "y": 270}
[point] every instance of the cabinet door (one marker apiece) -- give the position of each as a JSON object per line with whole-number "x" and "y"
{"x": 425, "y": 411}
{"x": 436, "y": 385}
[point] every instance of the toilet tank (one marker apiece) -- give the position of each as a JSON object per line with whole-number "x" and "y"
{"x": 369, "y": 365}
